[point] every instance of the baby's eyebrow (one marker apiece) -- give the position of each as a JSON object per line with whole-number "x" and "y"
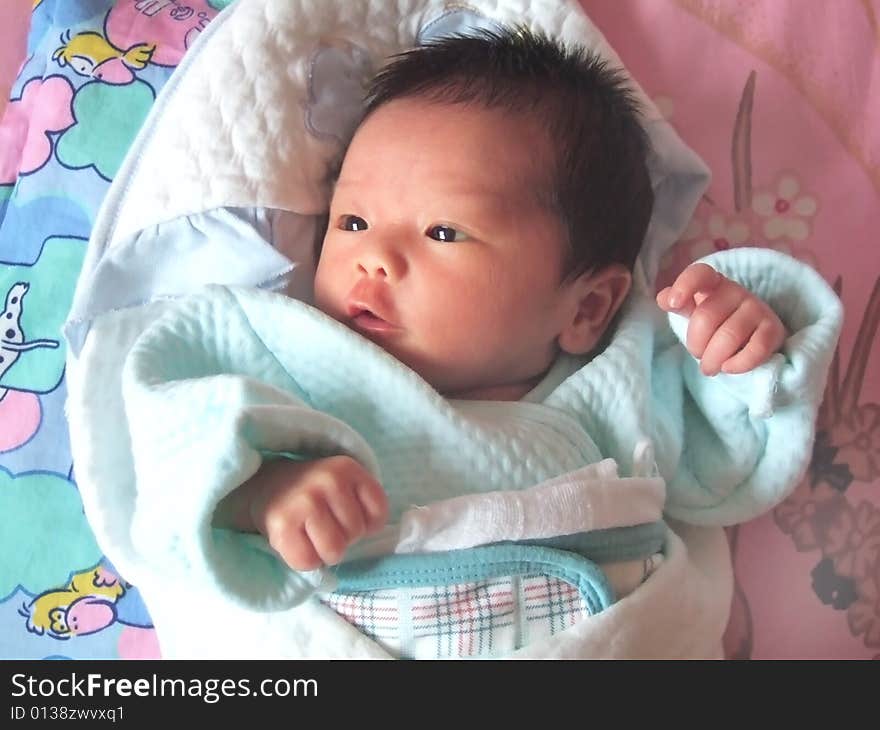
{"x": 501, "y": 201}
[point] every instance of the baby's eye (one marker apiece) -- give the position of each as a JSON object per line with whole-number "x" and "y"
{"x": 446, "y": 234}
{"x": 352, "y": 223}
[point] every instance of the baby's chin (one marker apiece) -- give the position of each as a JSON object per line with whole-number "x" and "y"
{"x": 446, "y": 378}
{"x": 464, "y": 388}
{"x": 505, "y": 392}
{"x": 442, "y": 376}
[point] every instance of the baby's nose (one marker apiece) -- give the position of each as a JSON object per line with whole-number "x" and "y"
{"x": 373, "y": 268}
{"x": 383, "y": 262}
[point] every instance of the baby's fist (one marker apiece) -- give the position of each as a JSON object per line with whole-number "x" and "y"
{"x": 730, "y": 330}
{"x": 312, "y": 511}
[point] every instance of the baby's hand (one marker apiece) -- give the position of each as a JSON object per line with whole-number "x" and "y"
{"x": 311, "y": 511}
{"x": 730, "y": 329}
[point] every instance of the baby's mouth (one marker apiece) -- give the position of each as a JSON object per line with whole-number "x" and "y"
{"x": 370, "y": 309}
{"x": 367, "y": 321}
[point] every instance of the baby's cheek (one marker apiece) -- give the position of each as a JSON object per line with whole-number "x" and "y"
{"x": 471, "y": 329}
{"x": 327, "y": 289}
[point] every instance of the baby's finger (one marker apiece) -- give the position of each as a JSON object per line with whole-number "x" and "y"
{"x": 762, "y": 345}
{"x": 663, "y": 301}
{"x": 346, "y": 508}
{"x": 731, "y": 336}
{"x": 695, "y": 278}
{"x": 325, "y": 533}
{"x": 711, "y": 313}
{"x": 297, "y": 550}
{"x": 375, "y": 503}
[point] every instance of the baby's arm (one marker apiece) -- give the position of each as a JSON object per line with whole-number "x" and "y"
{"x": 732, "y": 446}
{"x": 309, "y": 511}
{"x": 730, "y": 329}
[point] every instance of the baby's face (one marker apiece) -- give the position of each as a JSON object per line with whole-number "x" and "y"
{"x": 439, "y": 250}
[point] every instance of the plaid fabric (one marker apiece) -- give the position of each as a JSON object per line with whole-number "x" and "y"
{"x": 483, "y": 619}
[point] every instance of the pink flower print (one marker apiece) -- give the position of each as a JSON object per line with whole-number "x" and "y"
{"x": 863, "y": 615}
{"x": 807, "y": 514}
{"x": 44, "y": 107}
{"x": 718, "y": 233}
{"x": 785, "y": 212}
{"x": 853, "y": 541}
{"x": 857, "y": 439}
{"x": 801, "y": 253}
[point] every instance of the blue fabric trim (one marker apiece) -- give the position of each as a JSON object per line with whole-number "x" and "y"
{"x": 475, "y": 564}
{"x": 269, "y": 454}
{"x": 610, "y": 545}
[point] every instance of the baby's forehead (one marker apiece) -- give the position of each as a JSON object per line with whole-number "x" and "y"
{"x": 489, "y": 148}
{"x": 457, "y": 121}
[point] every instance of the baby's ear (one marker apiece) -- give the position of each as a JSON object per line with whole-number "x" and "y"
{"x": 595, "y": 298}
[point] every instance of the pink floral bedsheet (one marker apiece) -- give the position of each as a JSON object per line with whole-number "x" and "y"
{"x": 782, "y": 100}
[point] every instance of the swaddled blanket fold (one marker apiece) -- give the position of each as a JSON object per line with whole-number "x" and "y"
{"x": 212, "y": 382}
{"x": 178, "y": 392}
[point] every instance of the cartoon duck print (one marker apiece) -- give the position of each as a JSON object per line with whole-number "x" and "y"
{"x": 85, "y": 606}
{"x": 12, "y": 340}
{"x": 91, "y": 54}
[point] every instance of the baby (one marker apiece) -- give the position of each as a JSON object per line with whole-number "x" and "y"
{"x": 485, "y": 222}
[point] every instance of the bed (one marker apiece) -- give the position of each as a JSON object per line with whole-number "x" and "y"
{"x": 784, "y": 106}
